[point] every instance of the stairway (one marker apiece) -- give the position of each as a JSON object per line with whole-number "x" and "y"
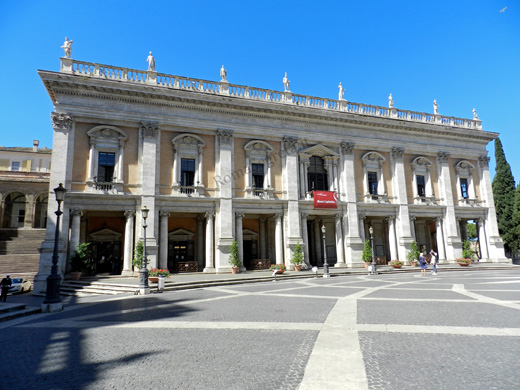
{"x": 89, "y": 288}
{"x": 21, "y": 241}
{"x": 9, "y": 311}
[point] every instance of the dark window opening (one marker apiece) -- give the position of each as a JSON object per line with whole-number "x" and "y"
{"x": 421, "y": 187}
{"x": 187, "y": 172}
{"x": 372, "y": 183}
{"x": 106, "y": 167}
{"x": 258, "y": 176}
{"x": 464, "y": 188}
{"x": 317, "y": 175}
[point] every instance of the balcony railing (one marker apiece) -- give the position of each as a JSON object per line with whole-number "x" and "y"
{"x": 107, "y": 72}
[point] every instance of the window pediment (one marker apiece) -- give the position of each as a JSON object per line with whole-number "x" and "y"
{"x": 107, "y": 133}
{"x": 464, "y": 168}
{"x": 320, "y": 151}
{"x": 105, "y": 235}
{"x": 180, "y": 235}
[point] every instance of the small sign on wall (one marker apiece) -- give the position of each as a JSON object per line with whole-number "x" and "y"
{"x": 325, "y": 199}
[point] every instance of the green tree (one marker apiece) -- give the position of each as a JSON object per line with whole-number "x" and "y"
{"x": 413, "y": 253}
{"x": 366, "y": 256}
{"x": 515, "y": 244}
{"x": 471, "y": 230}
{"x": 234, "y": 257}
{"x": 297, "y": 257}
{"x": 504, "y": 195}
{"x": 137, "y": 261}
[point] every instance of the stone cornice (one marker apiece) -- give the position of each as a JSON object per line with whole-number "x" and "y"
{"x": 59, "y": 84}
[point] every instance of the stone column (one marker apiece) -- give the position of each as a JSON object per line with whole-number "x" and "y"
{"x": 268, "y": 177}
{"x": 199, "y": 166}
{"x": 163, "y": 235}
{"x": 412, "y": 228}
{"x": 210, "y": 260}
{"x": 339, "y": 242}
{"x": 278, "y": 238}
{"x": 303, "y": 180}
{"x": 440, "y": 239}
{"x": 262, "y": 236}
{"x": 120, "y": 162}
{"x": 361, "y": 220}
{"x": 240, "y": 240}
{"x": 62, "y": 161}
{"x": 249, "y": 174}
{"x": 128, "y": 250}
{"x": 451, "y": 236}
{"x": 200, "y": 241}
{"x": 482, "y": 239}
{"x": 494, "y": 243}
{"x": 305, "y": 236}
{"x": 75, "y": 229}
{"x": 91, "y": 161}
{"x": 392, "y": 239}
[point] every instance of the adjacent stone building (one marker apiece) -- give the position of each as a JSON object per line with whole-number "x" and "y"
{"x": 214, "y": 161}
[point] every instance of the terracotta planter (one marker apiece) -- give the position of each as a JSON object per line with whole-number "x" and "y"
{"x": 414, "y": 263}
{"x": 153, "y": 279}
{"x": 366, "y": 264}
{"x": 75, "y": 275}
{"x": 396, "y": 265}
{"x": 280, "y": 271}
{"x": 298, "y": 267}
{"x": 234, "y": 270}
{"x": 464, "y": 264}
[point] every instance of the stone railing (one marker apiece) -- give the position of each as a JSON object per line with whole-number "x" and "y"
{"x": 107, "y": 72}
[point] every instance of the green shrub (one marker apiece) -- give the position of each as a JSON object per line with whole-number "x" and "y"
{"x": 234, "y": 257}
{"x": 366, "y": 256}
{"x": 297, "y": 257}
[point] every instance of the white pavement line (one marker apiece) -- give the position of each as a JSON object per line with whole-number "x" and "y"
{"x": 421, "y": 300}
{"x": 482, "y": 298}
{"x": 336, "y": 362}
{"x": 452, "y": 330}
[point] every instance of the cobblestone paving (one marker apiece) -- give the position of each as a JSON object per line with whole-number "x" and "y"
{"x": 459, "y": 330}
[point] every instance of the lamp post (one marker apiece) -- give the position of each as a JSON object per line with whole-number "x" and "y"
{"x": 52, "y": 300}
{"x": 143, "y": 273}
{"x": 373, "y": 270}
{"x": 325, "y": 264}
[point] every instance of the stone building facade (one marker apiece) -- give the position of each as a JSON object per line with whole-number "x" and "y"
{"x": 214, "y": 162}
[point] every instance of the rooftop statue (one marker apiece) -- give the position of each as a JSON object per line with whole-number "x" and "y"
{"x": 475, "y": 116}
{"x": 223, "y": 74}
{"x": 341, "y": 92}
{"x": 67, "y": 47}
{"x": 151, "y": 62}
{"x": 435, "y": 107}
{"x": 390, "y": 101}
{"x": 286, "y": 83}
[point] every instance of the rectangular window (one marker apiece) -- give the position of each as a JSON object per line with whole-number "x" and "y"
{"x": 421, "y": 187}
{"x": 106, "y": 167}
{"x": 187, "y": 172}
{"x": 464, "y": 187}
{"x": 21, "y": 217}
{"x": 258, "y": 176}
{"x": 15, "y": 165}
{"x": 372, "y": 183}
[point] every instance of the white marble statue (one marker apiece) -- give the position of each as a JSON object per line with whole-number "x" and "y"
{"x": 223, "y": 74}
{"x": 151, "y": 62}
{"x": 341, "y": 92}
{"x": 67, "y": 47}
{"x": 390, "y": 101}
{"x": 435, "y": 107}
{"x": 475, "y": 116}
{"x": 286, "y": 83}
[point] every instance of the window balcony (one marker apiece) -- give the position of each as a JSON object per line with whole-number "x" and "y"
{"x": 377, "y": 198}
{"x": 259, "y": 193}
{"x": 469, "y": 202}
{"x": 426, "y": 200}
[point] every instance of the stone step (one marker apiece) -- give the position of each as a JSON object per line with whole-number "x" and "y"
{"x": 19, "y": 264}
{"x": 9, "y": 311}
{"x": 84, "y": 288}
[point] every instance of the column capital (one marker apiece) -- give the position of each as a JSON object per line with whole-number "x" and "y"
{"x": 338, "y": 216}
{"x": 239, "y": 215}
{"x": 289, "y": 144}
{"x": 61, "y": 121}
{"x": 397, "y": 152}
{"x": 149, "y": 129}
{"x": 76, "y": 212}
{"x": 347, "y": 147}
{"x": 224, "y": 136}
{"x": 262, "y": 220}
{"x": 392, "y": 218}
{"x": 304, "y": 215}
{"x": 129, "y": 214}
{"x": 443, "y": 157}
{"x": 278, "y": 216}
{"x": 413, "y": 218}
{"x": 209, "y": 215}
{"x": 483, "y": 161}
{"x": 164, "y": 213}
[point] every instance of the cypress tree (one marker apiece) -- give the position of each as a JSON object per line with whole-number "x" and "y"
{"x": 504, "y": 194}
{"x": 515, "y": 244}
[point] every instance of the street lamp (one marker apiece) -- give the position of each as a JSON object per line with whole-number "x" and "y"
{"x": 143, "y": 273}
{"x": 325, "y": 264}
{"x": 373, "y": 270}
{"x": 52, "y": 300}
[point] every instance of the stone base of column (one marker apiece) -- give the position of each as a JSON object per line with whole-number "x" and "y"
{"x": 127, "y": 272}
{"x": 52, "y": 307}
{"x": 144, "y": 291}
{"x": 223, "y": 270}
{"x": 209, "y": 270}
{"x": 340, "y": 265}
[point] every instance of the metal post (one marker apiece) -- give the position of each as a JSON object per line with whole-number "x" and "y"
{"x": 144, "y": 288}
{"x": 373, "y": 270}
{"x": 52, "y": 300}
{"x": 325, "y": 264}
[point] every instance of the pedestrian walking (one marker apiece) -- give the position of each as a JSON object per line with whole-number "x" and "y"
{"x": 424, "y": 265}
{"x": 5, "y": 283}
{"x": 433, "y": 261}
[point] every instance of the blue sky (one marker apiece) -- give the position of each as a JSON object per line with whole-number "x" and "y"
{"x": 464, "y": 54}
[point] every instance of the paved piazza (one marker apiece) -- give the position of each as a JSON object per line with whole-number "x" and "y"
{"x": 457, "y": 330}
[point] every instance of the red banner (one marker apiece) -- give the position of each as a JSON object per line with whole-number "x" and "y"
{"x": 324, "y": 199}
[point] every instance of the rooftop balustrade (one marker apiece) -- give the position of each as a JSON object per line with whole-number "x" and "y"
{"x": 87, "y": 69}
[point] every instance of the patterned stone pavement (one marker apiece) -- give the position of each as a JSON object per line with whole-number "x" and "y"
{"x": 458, "y": 330}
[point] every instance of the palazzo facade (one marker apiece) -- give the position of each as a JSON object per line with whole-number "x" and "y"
{"x": 216, "y": 162}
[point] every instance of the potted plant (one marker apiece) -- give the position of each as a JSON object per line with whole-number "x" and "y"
{"x": 467, "y": 254}
{"x": 297, "y": 257}
{"x": 396, "y": 263}
{"x": 234, "y": 258}
{"x": 413, "y": 254}
{"x": 279, "y": 268}
{"x": 137, "y": 260}
{"x": 80, "y": 260}
{"x": 155, "y": 273}
{"x": 366, "y": 256}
